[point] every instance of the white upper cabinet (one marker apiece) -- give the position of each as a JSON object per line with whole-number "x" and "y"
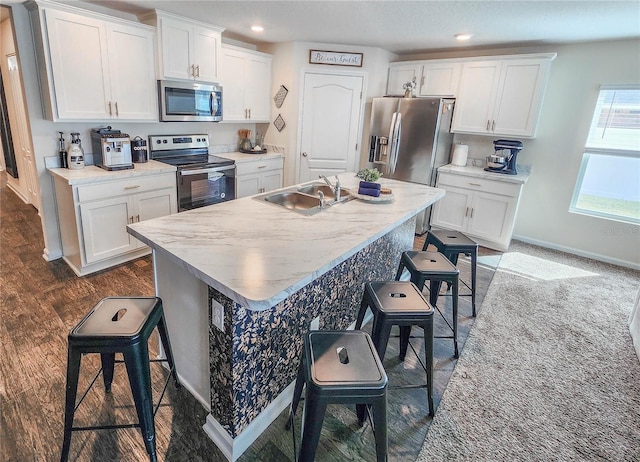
{"x": 245, "y": 76}
{"x": 440, "y": 78}
{"x": 87, "y": 64}
{"x": 401, "y": 73}
{"x": 188, "y": 50}
{"x": 433, "y": 78}
{"x": 501, "y": 96}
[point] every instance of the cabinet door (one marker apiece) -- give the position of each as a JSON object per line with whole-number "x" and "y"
{"x": 154, "y": 204}
{"x": 232, "y": 78}
{"x": 440, "y": 79}
{"x": 519, "y": 96}
{"x": 176, "y": 49}
{"x": 451, "y": 211}
{"x": 257, "y": 87}
{"x": 248, "y": 185}
{"x": 79, "y": 64}
{"x": 271, "y": 180}
{"x": 133, "y": 87}
{"x": 206, "y": 44}
{"x": 492, "y": 216}
{"x": 476, "y": 96}
{"x": 401, "y": 74}
{"x": 104, "y": 228}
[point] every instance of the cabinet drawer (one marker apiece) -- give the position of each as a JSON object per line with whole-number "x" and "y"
{"x": 129, "y": 186}
{"x": 479, "y": 184}
{"x": 247, "y": 168}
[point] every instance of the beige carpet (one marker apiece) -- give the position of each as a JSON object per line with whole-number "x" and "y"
{"x": 549, "y": 371}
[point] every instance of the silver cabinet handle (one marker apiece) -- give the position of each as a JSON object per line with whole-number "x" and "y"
{"x": 110, "y": 113}
{"x": 249, "y": 113}
{"x": 193, "y": 71}
{"x": 135, "y": 186}
{"x": 117, "y": 113}
{"x": 475, "y": 184}
{"x": 198, "y": 70}
{"x": 262, "y": 166}
{"x": 137, "y": 218}
{"x": 493, "y": 126}
{"x": 488, "y": 122}
{"x": 471, "y": 216}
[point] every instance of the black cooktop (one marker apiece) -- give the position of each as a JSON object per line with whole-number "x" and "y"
{"x": 184, "y": 151}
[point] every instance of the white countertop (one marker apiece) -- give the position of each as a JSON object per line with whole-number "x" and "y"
{"x": 479, "y": 172}
{"x": 241, "y": 157}
{"x": 93, "y": 174}
{"x": 259, "y": 253}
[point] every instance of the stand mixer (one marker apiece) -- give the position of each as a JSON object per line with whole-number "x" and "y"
{"x": 504, "y": 159}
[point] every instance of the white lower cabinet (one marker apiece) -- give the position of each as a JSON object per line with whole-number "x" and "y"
{"x": 258, "y": 176}
{"x": 485, "y": 210}
{"x": 94, "y": 218}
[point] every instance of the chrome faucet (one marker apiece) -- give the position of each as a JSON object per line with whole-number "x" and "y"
{"x": 335, "y": 187}
{"x": 321, "y": 197}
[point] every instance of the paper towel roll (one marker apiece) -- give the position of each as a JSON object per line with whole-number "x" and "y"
{"x": 460, "y": 153}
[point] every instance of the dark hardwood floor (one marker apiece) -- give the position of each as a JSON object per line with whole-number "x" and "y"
{"x": 41, "y": 301}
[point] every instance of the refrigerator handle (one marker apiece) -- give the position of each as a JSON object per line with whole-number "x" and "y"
{"x": 391, "y": 145}
{"x": 396, "y": 142}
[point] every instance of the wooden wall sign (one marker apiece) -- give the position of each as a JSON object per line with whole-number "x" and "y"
{"x": 335, "y": 58}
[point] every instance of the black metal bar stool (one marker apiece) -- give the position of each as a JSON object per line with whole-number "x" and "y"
{"x": 339, "y": 367}
{"x": 435, "y": 268}
{"x": 451, "y": 244}
{"x": 400, "y": 304}
{"x": 119, "y": 325}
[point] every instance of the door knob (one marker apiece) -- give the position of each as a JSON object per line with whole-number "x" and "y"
{"x": 304, "y": 154}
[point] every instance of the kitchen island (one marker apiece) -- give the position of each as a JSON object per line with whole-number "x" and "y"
{"x": 241, "y": 282}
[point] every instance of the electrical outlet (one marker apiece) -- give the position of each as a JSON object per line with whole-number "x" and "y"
{"x": 315, "y": 324}
{"x": 217, "y": 315}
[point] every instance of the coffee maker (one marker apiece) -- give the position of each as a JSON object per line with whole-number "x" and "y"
{"x": 504, "y": 158}
{"x": 111, "y": 149}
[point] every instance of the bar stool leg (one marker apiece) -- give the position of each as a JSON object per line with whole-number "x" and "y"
{"x": 140, "y": 380}
{"x": 166, "y": 345}
{"x": 454, "y": 296}
{"x": 380, "y": 335}
{"x": 427, "y": 326}
{"x": 474, "y": 262}
{"x": 312, "y": 418}
{"x": 363, "y": 309}
{"x": 379, "y": 407}
{"x": 405, "y": 333}
{"x": 73, "y": 372}
{"x": 108, "y": 361}
{"x": 297, "y": 394}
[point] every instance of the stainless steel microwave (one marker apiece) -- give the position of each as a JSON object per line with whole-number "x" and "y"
{"x": 189, "y": 101}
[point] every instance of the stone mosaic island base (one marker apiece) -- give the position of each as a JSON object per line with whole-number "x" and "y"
{"x": 242, "y": 281}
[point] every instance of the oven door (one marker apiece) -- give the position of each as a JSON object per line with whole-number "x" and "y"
{"x": 200, "y": 187}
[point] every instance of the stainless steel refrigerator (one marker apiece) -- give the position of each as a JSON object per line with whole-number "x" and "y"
{"x": 409, "y": 139}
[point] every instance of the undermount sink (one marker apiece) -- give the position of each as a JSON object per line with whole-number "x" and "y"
{"x": 304, "y": 199}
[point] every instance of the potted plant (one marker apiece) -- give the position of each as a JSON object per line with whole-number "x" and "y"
{"x": 410, "y": 88}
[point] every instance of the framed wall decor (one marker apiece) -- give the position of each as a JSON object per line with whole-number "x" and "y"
{"x": 335, "y": 58}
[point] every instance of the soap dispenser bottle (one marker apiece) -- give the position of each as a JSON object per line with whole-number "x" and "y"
{"x": 75, "y": 153}
{"x": 62, "y": 152}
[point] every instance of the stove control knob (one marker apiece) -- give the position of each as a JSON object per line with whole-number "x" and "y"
{"x": 164, "y": 141}
{"x": 158, "y": 142}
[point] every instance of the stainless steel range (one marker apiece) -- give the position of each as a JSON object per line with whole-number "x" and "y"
{"x": 202, "y": 179}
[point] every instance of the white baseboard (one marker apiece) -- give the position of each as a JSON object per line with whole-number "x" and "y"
{"x": 233, "y": 448}
{"x": 579, "y": 252}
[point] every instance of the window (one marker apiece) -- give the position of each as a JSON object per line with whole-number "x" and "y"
{"x": 608, "y": 183}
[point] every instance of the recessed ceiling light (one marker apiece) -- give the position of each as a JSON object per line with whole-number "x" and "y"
{"x": 463, "y": 37}
{"x": 257, "y": 28}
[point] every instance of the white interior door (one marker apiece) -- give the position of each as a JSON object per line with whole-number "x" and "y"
{"x": 331, "y": 109}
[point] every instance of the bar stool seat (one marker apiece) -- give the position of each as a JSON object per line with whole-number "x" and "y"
{"x": 396, "y": 303}
{"x": 339, "y": 367}
{"x": 451, "y": 244}
{"x": 119, "y": 325}
{"x": 435, "y": 268}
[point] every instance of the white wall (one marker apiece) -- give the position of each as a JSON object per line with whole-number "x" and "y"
{"x": 556, "y": 152}
{"x": 290, "y": 61}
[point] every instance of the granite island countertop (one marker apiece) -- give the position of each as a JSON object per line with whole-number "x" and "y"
{"x": 258, "y": 253}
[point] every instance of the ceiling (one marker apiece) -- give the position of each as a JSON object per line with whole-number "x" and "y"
{"x": 405, "y": 27}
